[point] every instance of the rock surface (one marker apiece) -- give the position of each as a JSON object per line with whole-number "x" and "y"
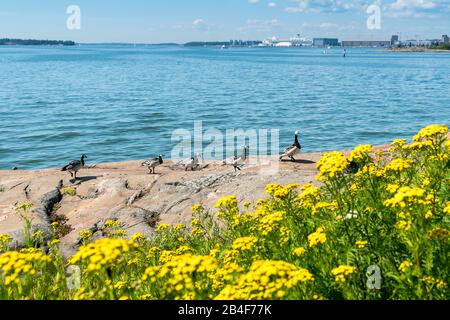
{"x": 128, "y": 193}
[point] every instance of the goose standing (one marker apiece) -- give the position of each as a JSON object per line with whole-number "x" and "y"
{"x": 292, "y": 150}
{"x": 74, "y": 166}
{"x": 239, "y": 161}
{"x": 153, "y": 163}
{"x": 192, "y": 163}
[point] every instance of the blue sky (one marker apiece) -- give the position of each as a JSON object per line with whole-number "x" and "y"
{"x": 152, "y": 21}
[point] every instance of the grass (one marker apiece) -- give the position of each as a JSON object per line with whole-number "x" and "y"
{"x": 375, "y": 226}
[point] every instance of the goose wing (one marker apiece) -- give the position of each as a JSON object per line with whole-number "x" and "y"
{"x": 72, "y": 164}
{"x": 290, "y": 149}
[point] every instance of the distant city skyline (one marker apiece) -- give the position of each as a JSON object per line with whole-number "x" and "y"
{"x": 181, "y": 21}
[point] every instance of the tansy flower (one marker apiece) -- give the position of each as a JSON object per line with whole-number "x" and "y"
{"x": 162, "y": 227}
{"x": 447, "y": 208}
{"x": 398, "y": 165}
{"x": 228, "y": 201}
{"x": 331, "y": 164}
{"x": 431, "y": 132}
{"x": 318, "y": 237}
{"x": 299, "y": 251}
{"x": 405, "y": 265}
{"x": 244, "y": 243}
{"x": 360, "y": 152}
{"x": 196, "y": 208}
{"x": 361, "y": 244}
{"x": 342, "y": 272}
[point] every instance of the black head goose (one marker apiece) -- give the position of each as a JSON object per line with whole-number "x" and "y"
{"x": 292, "y": 150}
{"x": 153, "y": 163}
{"x": 74, "y": 166}
{"x": 192, "y": 163}
{"x": 239, "y": 161}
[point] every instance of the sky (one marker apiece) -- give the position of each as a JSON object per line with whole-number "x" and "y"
{"x": 158, "y": 21}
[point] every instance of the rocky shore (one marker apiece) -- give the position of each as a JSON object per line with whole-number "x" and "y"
{"x": 128, "y": 193}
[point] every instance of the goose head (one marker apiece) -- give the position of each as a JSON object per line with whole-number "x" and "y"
{"x": 297, "y": 133}
{"x": 83, "y": 156}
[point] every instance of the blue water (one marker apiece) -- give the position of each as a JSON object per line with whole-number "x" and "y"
{"x": 119, "y": 103}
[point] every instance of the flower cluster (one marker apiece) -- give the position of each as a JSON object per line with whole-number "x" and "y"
{"x": 318, "y": 237}
{"x": 341, "y": 273}
{"x": 102, "y": 253}
{"x": 331, "y": 164}
{"x": 15, "y": 265}
{"x": 244, "y": 243}
{"x": 266, "y": 280}
{"x": 183, "y": 274}
{"x": 360, "y": 152}
{"x": 279, "y": 191}
{"x": 431, "y": 132}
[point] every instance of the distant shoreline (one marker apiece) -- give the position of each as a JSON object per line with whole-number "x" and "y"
{"x": 412, "y": 50}
{"x": 33, "y": 42}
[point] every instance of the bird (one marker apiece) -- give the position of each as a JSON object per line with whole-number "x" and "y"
{"x": 292, "y": 150}
{"x": 239, "y": 161}
{"x": 74, "y": 166}
{"x": 153, "y": 163}
{"x": 191, "y": 163}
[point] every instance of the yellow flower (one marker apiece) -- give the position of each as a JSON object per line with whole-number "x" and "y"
{"x": 280, "y": 192}
{"x": 341, "y": 273}
{"x": 266, "y": 280}
{"x": 183, "y": 274}
{"x": 398, "y": 165}
{"x": 270, "y": 222}
{"x": 360, "y": 152}
{"x": 197, "y": 232}
{"x": 429, "y": 215}
{"x": 228, "y": 201}
{"x": 102, "y": 253}
{"x": 404, "y": 224}
{"x": 197, "y": 207}
{"x": 179, "y": 227}
{"x": 318, "y": 237}
{"x": 431, "y": 132}
{"x": 361, "y": 244}
{"x": 447, "y": 208}
{"x": 299, "y": 251}
{"x": 138, "y": 237}
{"x": 331, "y": 164}
{"x": 398, "y": 142}
{"x": 244, "y": 243}
{"x": 17, "y": 266}
{"x": 405, "y": 196}
{"x": 24, "y": 206}
{"x": 162, "y": 227}
{"x": 70, "y": 191}
{"x": 404, "y": 266}
{"x": 439, "y": 234}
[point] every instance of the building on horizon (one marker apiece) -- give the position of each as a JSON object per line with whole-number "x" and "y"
{"x": 366, "y": 43}
{"x": 395, "y": 40}
{"x": 325, "y": 42}
{"x": 445, "y": 39}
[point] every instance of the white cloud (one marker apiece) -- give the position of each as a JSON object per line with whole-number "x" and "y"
{"x": 271, "y": 4}
{"x": 253, "y": 1}
{"x": 198, "y": 22}
{"x": 324, "y": 5}
{"x": 327, "y": 25}
{"x": 419, "y": 4}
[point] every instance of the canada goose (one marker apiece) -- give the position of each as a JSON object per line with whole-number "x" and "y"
{"x": 153, "y": 163}
{"x": 239, "y": 161}
{"x": 74, "y": 166}
{"x": 292, "y": 150}
{"x": 192, "y": 163}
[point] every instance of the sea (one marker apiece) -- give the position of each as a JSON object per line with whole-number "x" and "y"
{"x": 125, "y": 102}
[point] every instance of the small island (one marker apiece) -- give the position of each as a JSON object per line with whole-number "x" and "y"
{"x": 32, "y": 42}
